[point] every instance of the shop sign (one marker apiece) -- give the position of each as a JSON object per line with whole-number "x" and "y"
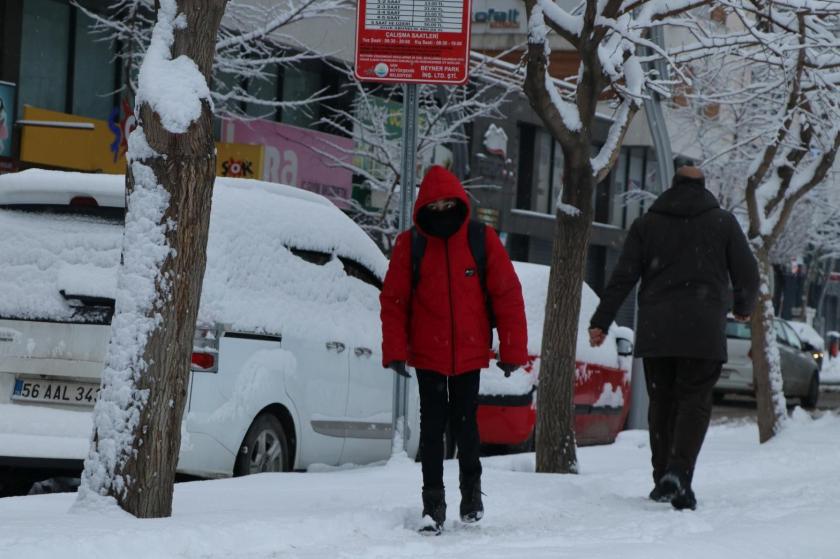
{"x": 308, "y": 159}
{"x": 88, "y": 147}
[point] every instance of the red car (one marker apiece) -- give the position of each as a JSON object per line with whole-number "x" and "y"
{"x": 507, "y": 406}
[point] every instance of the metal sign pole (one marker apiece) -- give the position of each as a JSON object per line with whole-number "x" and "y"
{"x": 407, "y": 183}
{"x": 637, "y": 418}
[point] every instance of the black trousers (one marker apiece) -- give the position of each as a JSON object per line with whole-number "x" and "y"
{"x": 680, "y": 391}
{"x": 452, "y": 400}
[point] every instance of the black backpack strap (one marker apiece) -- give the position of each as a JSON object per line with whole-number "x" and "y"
{"x": 477, "y": 237}
{"x": 478, "y": 247}
{"x": 418, "y": 248}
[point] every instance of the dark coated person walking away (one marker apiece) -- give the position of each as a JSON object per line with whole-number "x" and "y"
{"x": 448, "y": 283}
{"x": 695, "y": 266}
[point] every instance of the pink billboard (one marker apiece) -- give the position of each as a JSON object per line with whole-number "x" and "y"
{"x": 298, "y": 156}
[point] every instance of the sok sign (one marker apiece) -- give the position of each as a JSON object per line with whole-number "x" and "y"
{"x": 413, "y": 41}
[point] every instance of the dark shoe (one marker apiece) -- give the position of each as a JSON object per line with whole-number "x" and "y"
{"x": 685, "y": 500}
{"x": 434, "y": 511}
{"x": 658, "y": 494}
{"x": 666, "y": 488}
{"x": 670, "y": 485}
{"x": 472, "y": 509}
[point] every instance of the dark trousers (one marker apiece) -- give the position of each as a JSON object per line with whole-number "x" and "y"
{"x": 680, "y": 391}
{"x": 452, "y": 400}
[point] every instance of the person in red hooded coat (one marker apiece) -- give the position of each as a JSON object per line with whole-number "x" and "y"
{"x": 441, "y": 327}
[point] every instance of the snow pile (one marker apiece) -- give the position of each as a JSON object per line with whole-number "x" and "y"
{"x": 807, "y": 334}
{"x": 755, "y": 501}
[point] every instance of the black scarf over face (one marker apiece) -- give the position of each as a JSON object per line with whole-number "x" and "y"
{"x": 442, "y": 224}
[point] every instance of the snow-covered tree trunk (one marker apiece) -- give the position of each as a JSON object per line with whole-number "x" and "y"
{"x": 137, "y": 421}
{"x": 767, "y": 364}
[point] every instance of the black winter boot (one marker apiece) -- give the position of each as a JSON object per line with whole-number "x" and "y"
{"x": 685, "y": 499}
{"x": 434, "y": 511}
{"x": 677, "y": 484}
{"x": 668, "y": 487}
{"x": 659, "y": 494}
{"x": 472, "y": 509}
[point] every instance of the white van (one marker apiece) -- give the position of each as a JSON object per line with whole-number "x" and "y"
{"x": 287, "y": 365}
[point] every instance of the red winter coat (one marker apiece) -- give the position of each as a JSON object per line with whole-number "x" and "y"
{"x": 443, "y": 326}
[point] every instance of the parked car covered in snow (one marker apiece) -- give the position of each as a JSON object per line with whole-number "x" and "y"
{"x": 507, "y": 406}
{"x": 800, "y": 372}
{"x": 286, "y": 370}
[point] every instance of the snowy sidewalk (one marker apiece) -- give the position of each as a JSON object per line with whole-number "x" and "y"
{"x": 779, "y": 500}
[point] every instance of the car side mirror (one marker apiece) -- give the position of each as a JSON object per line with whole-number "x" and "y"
{"x": 624, "y": 347}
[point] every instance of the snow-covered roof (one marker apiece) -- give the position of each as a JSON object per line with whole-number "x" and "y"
{"x": 253, "y": 281}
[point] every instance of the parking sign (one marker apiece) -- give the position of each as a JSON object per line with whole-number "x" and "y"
{"x": 413, "y": 41}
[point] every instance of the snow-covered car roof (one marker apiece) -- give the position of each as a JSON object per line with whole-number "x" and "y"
{"x": 807, "y": 334}
{"x": 253, "y": 281}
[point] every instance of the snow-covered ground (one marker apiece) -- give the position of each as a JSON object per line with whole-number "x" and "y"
{"x": 830, "y": 373}
{"x": 776, "y": 501}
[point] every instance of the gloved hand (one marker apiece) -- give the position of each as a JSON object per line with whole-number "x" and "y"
{"x": 508, "y": 368}
{"x": 399, "y": 368}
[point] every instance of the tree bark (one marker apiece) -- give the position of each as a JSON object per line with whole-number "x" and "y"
{"x": 767, "y": 370}
{"x": 555, "y": 437}
{"x": 183, "y": 164}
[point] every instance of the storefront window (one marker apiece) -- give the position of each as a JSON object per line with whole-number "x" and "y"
{"x": 635, "y": 184}
{"x": 94, "y": 69}
{"x": 543, "y": 172}
{"x": 546, "y": 183}
{"x": 299, "y": 84}
{"x": 619, "y": 187}
{"x": 44, "y": 55}
{"x": 264, "y": 89}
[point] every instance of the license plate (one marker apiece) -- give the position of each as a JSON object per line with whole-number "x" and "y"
{"x": 56, "y": 392}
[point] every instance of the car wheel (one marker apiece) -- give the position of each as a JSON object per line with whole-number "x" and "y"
{"x": 264, "y": 449}
{"x": 810, "y": 400}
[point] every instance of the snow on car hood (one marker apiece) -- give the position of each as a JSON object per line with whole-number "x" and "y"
{"x": 252, "y": 282}
{"x": 534, "y": 280}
